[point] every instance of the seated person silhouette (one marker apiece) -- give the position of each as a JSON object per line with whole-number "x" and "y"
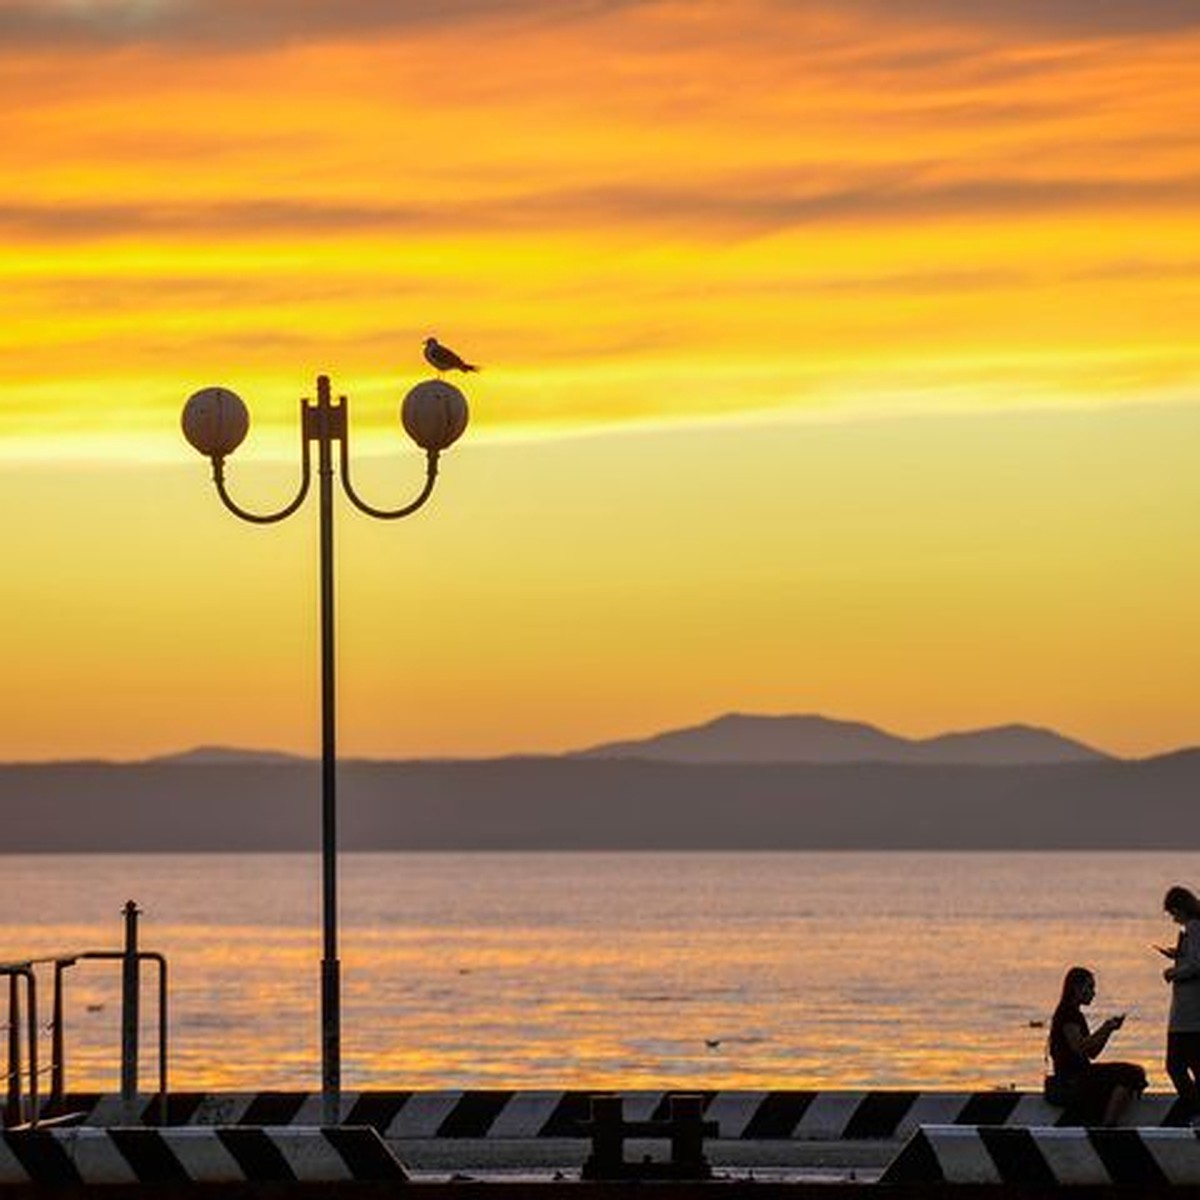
{"x": 1095, "y": 1093}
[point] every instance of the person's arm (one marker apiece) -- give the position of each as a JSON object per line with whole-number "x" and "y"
{"x": 1094, "y": 1042}
{"x": 1187, "y": 965}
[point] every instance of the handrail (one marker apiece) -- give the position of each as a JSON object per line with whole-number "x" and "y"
{"x": 13, "y": 1104}
{"x": 15, "y": 1109}
{"x": 161, "y": 962}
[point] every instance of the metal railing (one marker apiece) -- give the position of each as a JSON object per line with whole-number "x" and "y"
{"x": 23, "y": 1103}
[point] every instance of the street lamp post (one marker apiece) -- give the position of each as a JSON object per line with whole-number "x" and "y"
{"x": 215, "y": 421}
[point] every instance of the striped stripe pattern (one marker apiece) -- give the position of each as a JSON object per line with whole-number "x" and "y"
{"x": 196, "y": 1154}
{"x": 741, "y": 1116}
{"x": 1048, "y": 1157}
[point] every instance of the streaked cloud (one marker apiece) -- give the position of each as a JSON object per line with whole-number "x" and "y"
{"x": 618, "y": 189}
{"x": 191, "y": 24}
{"x": 714, "y": 209}
{"x": 1067, "y": 18}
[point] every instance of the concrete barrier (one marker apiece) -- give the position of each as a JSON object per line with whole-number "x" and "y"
{"x": 84, "y": 1156}
{"x": 748, "y": 1116}
{"x": 1047, "y": 1157}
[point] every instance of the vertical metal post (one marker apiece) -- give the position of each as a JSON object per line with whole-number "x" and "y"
{"x": 327, "y": 423}
{"x": 13, "y": 1105}
{"x": 687, "y": 1135}
{"x": 163, "y": 1110}
{"x": 58, "y": 1052}
{"x": 31, "y": 1018}
{"x": 608, "y": 1139}
{"x": 129, "y": 1014}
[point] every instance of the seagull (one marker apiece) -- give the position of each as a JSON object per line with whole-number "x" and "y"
{"x": 442, "y": 358}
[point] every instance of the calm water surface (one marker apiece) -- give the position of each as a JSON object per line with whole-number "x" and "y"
{"x": 822, "y": 970}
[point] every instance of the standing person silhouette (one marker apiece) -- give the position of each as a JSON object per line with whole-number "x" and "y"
{"x": 1183, "y": 1025}
{"x": 1098, "y": 1093}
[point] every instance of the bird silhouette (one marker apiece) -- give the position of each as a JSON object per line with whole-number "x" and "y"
{"x": 442, "y": 358}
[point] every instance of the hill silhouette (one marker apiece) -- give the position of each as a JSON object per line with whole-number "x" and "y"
{"x": 202, "y": 756}
{"x": 741, "y": 738}
{"x": 570, "y": 803}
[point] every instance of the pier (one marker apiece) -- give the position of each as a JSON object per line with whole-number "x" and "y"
{"x": 508, "y": 1143}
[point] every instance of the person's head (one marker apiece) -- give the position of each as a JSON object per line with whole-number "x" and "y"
{"x": 1181, "y": 904}
{"x": 1079, "y": 986}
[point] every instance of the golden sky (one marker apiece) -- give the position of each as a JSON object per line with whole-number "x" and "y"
{"x": 839, "y": 357}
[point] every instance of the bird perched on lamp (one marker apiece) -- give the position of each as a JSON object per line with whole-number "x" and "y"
{"x": 442, "y": 358}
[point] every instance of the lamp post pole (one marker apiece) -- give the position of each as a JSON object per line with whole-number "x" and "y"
{"x": 215, "y": 420}
{"x": 330, "y": 423}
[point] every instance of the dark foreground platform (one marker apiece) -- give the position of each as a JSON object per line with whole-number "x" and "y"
{"x": 448, "y": 1159}
{"x": 508, "y": 1190}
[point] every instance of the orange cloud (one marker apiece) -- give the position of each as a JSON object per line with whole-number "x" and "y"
{"x": 651, "y": 198}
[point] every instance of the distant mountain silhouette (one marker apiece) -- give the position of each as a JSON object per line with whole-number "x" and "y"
{"x": 740, "y": 738}
{"x": 603, "y": 804}
{"x": 200, "y": 756}
{"x": 736, "y": 783}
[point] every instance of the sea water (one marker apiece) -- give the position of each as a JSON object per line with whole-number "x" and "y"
{"x": 582, "y": 970}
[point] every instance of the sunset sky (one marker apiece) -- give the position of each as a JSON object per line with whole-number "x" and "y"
{"x": 839, "y": 357}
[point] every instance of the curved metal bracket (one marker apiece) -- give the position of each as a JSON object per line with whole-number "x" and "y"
{"x": 218, "y": 466}
{"x": 431, "y": 469}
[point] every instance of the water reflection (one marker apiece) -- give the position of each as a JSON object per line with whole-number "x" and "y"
{"x": 739, "y": 970}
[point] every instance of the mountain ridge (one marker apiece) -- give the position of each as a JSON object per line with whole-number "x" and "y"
{"x": 735, "y": 737}
{"x": 812, "y": 738}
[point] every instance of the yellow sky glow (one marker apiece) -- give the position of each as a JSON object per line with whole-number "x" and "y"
{"x": 838, "y": 357}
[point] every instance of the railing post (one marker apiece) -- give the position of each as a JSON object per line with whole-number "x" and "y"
{"x": 12, "y": 1108}
{"x": 58, "y": 1052}
{"x": 130, "y": 1015}
{"x": 31, "y": 1018}
{"x": 163, "y": 1110}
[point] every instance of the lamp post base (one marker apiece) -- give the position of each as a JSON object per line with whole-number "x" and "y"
{"x": 331, "y": 1048}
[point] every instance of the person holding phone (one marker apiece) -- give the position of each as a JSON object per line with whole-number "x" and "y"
{"x": 1183, "y": 1024}
{"x": 1097, "y": 1093}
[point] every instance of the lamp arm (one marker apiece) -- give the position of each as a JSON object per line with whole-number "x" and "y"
{"x": 218, "y": 465}
{"x": 431, "y": 470}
